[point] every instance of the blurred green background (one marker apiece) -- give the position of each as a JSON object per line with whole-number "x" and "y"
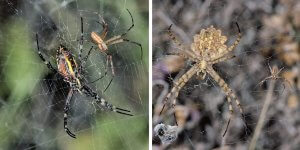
{"x": 32, "y": 97}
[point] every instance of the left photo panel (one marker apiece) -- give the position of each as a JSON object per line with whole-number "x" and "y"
{"x": 74, "y": 74}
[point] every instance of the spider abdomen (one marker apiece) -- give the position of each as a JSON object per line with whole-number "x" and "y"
{"x": 67, "y": 66}
{"x": 209, "y": 43}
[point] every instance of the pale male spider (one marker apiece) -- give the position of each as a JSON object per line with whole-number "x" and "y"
{"x": 103, "y": 44}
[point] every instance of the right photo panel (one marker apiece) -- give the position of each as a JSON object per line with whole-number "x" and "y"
{"x": 225, "y": 74}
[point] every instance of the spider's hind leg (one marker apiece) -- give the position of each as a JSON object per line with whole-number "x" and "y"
{"x": 178, "y": 85}
{"x": 102, "y": 102}
{"x": 66, "y": 109}
{"x": 108, "y": 60}
{"x": 229, "y": 93}
{"x": 224, "y": 86}
{"x": 132, "y": 25}
{"x": 136, "y": 43}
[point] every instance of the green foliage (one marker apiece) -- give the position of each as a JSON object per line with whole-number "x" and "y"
{"x": 19, "y": 74}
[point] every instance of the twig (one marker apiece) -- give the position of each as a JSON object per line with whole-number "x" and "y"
{"x": 264, "y": 111}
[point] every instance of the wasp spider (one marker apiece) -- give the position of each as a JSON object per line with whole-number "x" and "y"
{"x": 71, "y": 71}
{"x": 207, "y": 49}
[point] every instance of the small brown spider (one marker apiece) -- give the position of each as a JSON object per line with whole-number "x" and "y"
{"x": 274, "y": 71}
{"x": 103, "y": 44}
{"x": 207, "y": 49}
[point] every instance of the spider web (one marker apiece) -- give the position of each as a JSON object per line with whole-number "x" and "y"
{"x": 32, "y": 97}
{"x": 268, "y": 38}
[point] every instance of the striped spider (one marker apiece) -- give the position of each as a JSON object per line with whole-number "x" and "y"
{"x": 71, "y": 71}
{"x": 103, "y": 44}
{"x": 207, "y": 49}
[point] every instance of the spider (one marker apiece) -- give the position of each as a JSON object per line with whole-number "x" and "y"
{"x": 207, "y": 49}
{"x": 70, "y": 70}
{"x": 103, "y": 44}
{"x": 274, "y": 71}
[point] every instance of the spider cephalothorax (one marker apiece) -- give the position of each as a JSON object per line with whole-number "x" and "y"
{"x": 207, "y": 49}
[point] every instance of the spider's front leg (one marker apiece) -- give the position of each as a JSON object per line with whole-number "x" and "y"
{"x": 231, "y": 48}
{"x": 42, "y": 57}
{"x": 109, "y": 60}
{"x": 104, "y": 27}
{"x": 184, "y": 52}
{"x": 66, "y": 109}
{"x": 120, "y": 39}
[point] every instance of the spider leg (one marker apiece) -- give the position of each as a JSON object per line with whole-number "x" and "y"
{"x": 229, "y": 93}
{"x": 178, "y": 54}
{"x": 233, "y": 46}
{"x": 231, "y": 113}
{"x": 224, "y": 86}
{"x": 89, "y": 92}
{"x": 224, "y": 58}
{"x": 237, "y": 41}
{"x": 178, "y": 85}
{"x": 132, "y": 25}
{"x": 66, "y": 109}
{"x": 81, "y": 39}
{"x": 264, "y": 80}
{"x": 173, "y": 37}
{"x": 109, "y": 59}
{"x": 119, "y": 39}
{"x": 106, "y": 70}
{"x": 104, "y": 26}
{"x": 42, "y": 57}
{"x": 83, "y": 62}
{"x": 183, "y": 53}
{"x": 87, "y": 56}
{"x": 136, "y": 43}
